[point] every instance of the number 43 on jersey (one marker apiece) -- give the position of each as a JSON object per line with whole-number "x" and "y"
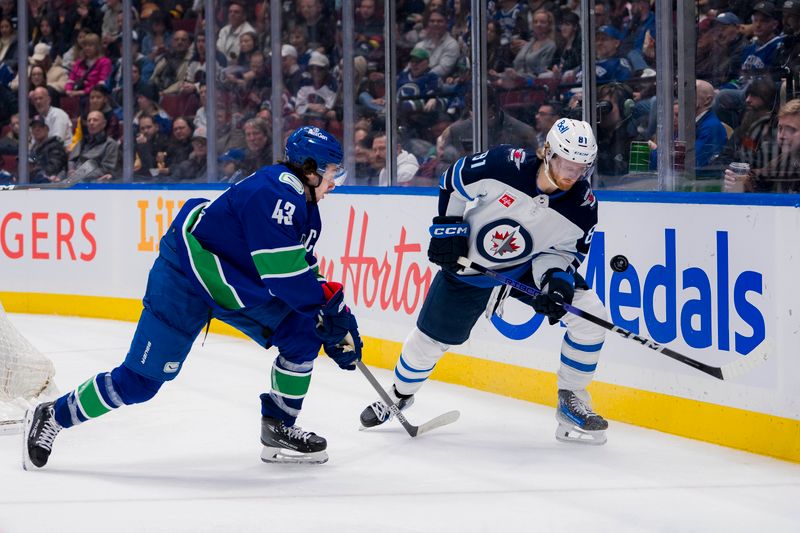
{"x": 283, "y": 212}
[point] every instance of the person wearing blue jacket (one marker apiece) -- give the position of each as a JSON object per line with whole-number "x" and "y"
{"x": 247, "y": 259}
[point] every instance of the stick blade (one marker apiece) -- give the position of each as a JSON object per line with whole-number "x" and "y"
{"x": 747, "y": 363}
{"x": 441, "y": 420}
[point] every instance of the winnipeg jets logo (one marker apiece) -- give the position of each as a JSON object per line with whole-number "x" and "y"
{"x": 504, "y": 240}
{"x": 503, "y": 243}
{"x": 517, "y": 156}
{"x": 589, "y": 199}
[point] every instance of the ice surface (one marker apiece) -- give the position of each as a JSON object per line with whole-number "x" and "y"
{"x": 189, "y": 460}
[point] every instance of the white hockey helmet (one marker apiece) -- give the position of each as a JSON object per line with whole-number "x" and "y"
{"x": 572, "y": 140}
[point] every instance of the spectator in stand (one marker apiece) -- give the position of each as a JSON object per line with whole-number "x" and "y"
{"x": 75, "y": 51}
{"x": 229, "y": 131}
{"x": 171, "y": 73}
{"x": 9, "y": 143}
{"x": 100, "y": 100}
{"x": 47, "y": 158}
{"x": 253, "y": 87}
{"x": 139, "y": 85}
{"x": 789, "y": 54}
{"x": 752, "y": 141}
{"x": 228, "y": 38}
{"x": 601, "y": 17}
{"x": 200, "y": 119}
{"x": 511, "y": 22}
{"x": 456, "y": 88}
{"x": 498, "y": 53}
{"x": 57, "y": 76}
{"x": 407, "y": 164}
{"x": 96, "y": 156}
{"x": 82, "y": 16}
{"x": 316, "y": 100}
{"x": 259, "y": 148}
{"x": 758, "y": 59}
{"x": 782, "y": 173}
{"x": 46, "y": 35}
{"x": 298, "y": 39}
{"x": 194, "y": 167}
{"x": 147, "y": 104}
{"x": 58, "y": 123}
{"x": 643, "y": 23}
{"x": 178, "y": 148}
{"x": 111, "y": 29}
{"x": 318, "y": 29}
{"x": 419, "y": 92}
{"x": 546, "y": 116}
{"x": 456, "y": 140}
{"x": 8, "y": 44}
{"x": 157, "y": 35}
{"x": 229, "y": 163}
{"x": 369, "y": 30}
{"x": 38, "y": 75}
{"x": 93, "y": 69}
{"x": 441, "y": 46}
{"x": 149, "y": 142}
{"x": 610, "y": 65}
{"x": 197, "y": 68}
{"x": 613, "y": 136}
{"x": 535, "y": 56}
{"x": 710, "y": 134}
{"x": 293, "y": 75}
{"x": 719, "y": 50}
{"x": 567, "y": 59}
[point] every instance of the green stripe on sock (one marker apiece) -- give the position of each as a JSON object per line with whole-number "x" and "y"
{"x": 290, "y": 384}
{"x": 89, "y": 400}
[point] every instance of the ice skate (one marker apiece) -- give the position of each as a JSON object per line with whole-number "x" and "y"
{"x": 576, "y": 421}
{"x": 290, "y": 444}
{"x": 378, "y": 412}
{"x": 39, "y": 431}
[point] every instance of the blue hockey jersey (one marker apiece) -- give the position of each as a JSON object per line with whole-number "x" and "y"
{"x": 254, "y": 243}
{"x": 512, "y": 222}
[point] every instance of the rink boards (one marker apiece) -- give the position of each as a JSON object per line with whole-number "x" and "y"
{"x": 713, "y": 276}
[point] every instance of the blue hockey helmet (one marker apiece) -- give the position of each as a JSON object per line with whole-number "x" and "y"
{"x": 310, "y": 142}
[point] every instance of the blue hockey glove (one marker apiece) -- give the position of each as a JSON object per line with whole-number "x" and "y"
{"x": 334, "y": 320}
{"x": 558, "y": 287}
{"x": 449, "y": 241}
{"x": 346, "y": 353}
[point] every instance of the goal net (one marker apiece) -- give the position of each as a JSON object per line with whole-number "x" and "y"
{"x": 26, "y": 376}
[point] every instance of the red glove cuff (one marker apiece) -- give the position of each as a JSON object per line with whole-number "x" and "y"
{"x": 330, "y": 288}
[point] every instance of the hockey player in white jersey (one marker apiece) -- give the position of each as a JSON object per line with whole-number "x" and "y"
{"x": 531, "y": 216}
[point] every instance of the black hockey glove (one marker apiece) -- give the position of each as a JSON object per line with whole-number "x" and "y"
{"x": 448, "y": 242}
{"x": 558, "y": 287}
{"x": 334, "y": 320}
{"x": 346, "y": 353}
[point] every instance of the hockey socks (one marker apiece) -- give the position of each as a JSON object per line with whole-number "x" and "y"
{"x": 290, "y": 383}
{"x": 103, "y": 393}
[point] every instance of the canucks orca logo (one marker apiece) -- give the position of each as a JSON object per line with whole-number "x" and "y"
{"x": 503, "y": 240}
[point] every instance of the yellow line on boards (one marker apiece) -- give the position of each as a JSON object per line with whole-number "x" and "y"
{"x": 727, "y": 426}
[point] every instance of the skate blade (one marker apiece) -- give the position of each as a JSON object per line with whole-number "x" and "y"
{"x": 575, "y": 435}
{"x": 26, "y": 427}
{"x": 282, "y": 455}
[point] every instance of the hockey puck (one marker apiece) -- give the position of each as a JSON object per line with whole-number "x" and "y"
{"x": 619, "y": 263}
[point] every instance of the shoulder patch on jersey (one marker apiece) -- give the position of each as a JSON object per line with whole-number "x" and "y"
{"x": 516, "y": 156}
{"x": 589, "y": 198}
{"x": 292, "y": 181}
{"x": 507, "y": 199}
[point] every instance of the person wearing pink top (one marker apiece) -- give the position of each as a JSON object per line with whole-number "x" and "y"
{"x": 93, "y": 69}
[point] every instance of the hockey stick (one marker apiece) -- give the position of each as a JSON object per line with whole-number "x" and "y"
{"x": 731, "y": 370}
{"x": 411, "y": 429}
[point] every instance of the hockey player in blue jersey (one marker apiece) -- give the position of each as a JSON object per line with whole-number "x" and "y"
{"x": 531, "y": 217}
{"x": 246, "y": 259}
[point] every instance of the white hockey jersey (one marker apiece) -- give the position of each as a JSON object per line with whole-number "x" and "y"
{"x": 511, "y": 221}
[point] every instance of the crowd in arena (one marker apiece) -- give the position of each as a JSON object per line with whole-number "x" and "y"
{"x": 747, "y": 65}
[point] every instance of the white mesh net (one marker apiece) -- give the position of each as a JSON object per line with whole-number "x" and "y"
{"x": 25, "y": 375}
